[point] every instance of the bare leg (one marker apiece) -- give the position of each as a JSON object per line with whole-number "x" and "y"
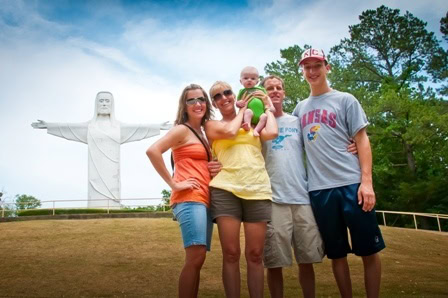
{"x": 229, "y": 236}
{"x": 372, "y": 275}
{"x": 307, "y": 280}
{"x": 248, "y": 114}
{"x": 189, "y": 277}
{"x": 255, "y": 234}
{"x": 260, "y": 125}
{"x": 341, "y": 273}
{"x": 275, "y": 282}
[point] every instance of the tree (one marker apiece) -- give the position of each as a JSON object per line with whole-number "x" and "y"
{"x": 386, "y": 62}
{"x": 296, "y": 88}
{"x": 166, "y": 194}
{"x": 27, "y": 202}
{"x": 444, "y": 26}
{"x": 386, "y": 47}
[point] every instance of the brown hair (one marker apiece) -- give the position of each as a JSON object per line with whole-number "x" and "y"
{"x": 182, "y": 115}
{"x": 272, "y": 77}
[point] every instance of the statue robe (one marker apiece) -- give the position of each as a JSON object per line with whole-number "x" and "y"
{"x": 104, "y": 184}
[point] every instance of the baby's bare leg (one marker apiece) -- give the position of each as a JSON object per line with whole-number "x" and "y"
{"x": 260, "y": 125}
{"x": 247, "y": 119}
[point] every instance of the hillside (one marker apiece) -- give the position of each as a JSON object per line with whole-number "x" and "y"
{"x": 142, "y": 258}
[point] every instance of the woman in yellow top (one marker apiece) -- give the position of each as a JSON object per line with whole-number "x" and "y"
{"x": 190, "y": 197}
{"x": 241, "y": 191}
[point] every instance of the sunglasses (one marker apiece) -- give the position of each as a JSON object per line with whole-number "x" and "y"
{"x": 193, "y": 101}
{"x": 219, "y": 96}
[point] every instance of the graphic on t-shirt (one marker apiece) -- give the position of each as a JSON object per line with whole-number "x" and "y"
{"x": 277, "y": 141}
{"x": 312, "y": 135}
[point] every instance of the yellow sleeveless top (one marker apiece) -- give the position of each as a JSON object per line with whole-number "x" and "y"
{"x": 243, "y": 170}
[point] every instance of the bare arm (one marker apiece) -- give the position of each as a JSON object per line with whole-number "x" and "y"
{"x": 270, "y": 131}
{"x": 176, "y": 137}
{"x": 217, "y": 130}
{"x": 366, "y": 195}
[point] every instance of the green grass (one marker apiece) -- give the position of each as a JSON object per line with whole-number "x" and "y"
{"x": 142, "y": 257}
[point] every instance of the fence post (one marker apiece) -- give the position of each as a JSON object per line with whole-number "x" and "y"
{"x": 108, "y": 206}
{"x": 54, "y": 202}
{"x": 415, "y": 221}
{"x": 3, "y": 212}
{"x": 438, "y": 222}
{"x": 384, "y": 219}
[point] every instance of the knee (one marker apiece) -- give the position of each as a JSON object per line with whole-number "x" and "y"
{"x": 231, "y": 255}
{"x": 254, "y": 256}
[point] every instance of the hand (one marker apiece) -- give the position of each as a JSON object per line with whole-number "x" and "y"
{"x": 352, "y": 147}
{"x": 266, "y": 100}
{"x": 366, "y": 197}
{"x": 39, "y": 124}
{"x": 166, "y": 125}
{"x": 190, "y": 183}
{"x": 214, "y": 167}
{"x": 240, "y": 104}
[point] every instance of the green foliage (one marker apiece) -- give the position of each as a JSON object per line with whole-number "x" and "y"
{"x": 166, "y": 194}
{"x": 444, "y": 26}
{"x": 296, "y": 88}
{"x": 389, "y": 48}
{"x": 26, "y": 202}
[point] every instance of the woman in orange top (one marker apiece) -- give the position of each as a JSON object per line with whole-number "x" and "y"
{"x": 190, "y": 197}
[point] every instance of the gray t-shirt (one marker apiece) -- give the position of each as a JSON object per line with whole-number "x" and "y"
{"x": 285, "y": 163}
{"x": 327, "y": 122}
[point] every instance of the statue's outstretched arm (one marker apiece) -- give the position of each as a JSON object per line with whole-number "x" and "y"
{"x": 137, "y": 132}
{"x": 70, "y": 131}
{"x": 40, "y": 124}
{"x": 166, "y": 125}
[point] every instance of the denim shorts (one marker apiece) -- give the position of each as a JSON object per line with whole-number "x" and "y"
{"x": 195, "y": 223}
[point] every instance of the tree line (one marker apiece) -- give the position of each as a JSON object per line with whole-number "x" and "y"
{"x": 399, "y": 72}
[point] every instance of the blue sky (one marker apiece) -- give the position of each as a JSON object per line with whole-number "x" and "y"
{"x": 56, "y": 55}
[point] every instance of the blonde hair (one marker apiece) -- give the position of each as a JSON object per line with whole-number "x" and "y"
{"x": 249, "y": 70}
{"x": 182, "y": 115}
{"x": 218, "y": 85}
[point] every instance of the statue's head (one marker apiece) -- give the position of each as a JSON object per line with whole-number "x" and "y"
{"x": 104, "y": 103}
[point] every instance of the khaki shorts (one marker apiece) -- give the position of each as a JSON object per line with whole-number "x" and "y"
{"x": 292, "y": 225}
{"x": 225, "y": 203}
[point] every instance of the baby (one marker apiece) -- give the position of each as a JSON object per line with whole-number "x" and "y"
{"x": 255, "y": 113}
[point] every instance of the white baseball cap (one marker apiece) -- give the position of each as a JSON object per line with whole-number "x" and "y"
{"x": 312, "y": 53}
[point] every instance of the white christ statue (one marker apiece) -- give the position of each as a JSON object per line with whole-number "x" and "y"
{"x": 103, "y": 136}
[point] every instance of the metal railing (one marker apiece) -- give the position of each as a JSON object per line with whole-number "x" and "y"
{"x": 106, "y": 204}
{"x": 415, "y": 215}
{"x": 158, "y": 202}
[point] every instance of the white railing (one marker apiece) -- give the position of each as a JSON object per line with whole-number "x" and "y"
{"x": 414, "y": 215}
{"x": 157, "y": 202}
{"x": 108, "y": 205}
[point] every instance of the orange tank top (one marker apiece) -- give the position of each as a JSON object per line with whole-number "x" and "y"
{"x": 190, "y": 161}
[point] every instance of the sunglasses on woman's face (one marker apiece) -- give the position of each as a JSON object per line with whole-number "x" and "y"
{"x": 219, "y": 96}
{"x": 193, "y": 101}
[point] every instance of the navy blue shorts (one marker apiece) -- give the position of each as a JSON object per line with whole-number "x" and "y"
{"x": 337, "y": 209}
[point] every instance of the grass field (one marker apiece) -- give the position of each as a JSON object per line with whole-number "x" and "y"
{"x": 142, "y": 258}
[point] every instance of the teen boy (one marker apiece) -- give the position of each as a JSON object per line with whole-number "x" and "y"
{"x": 339, "y": 183}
